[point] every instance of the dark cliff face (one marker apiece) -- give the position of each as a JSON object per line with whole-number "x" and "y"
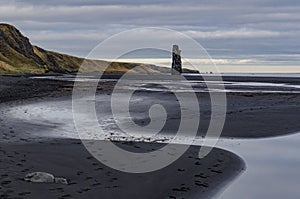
{"x": 18, "y": 55}
{"x": 16, "y": 52}
{"x": 12, "y": 38}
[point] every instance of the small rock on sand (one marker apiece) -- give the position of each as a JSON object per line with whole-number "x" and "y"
{"x": 43, "y": 177}
{"x": 39, "y": 177}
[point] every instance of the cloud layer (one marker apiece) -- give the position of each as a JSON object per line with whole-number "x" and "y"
{"x": 234, "y": 28}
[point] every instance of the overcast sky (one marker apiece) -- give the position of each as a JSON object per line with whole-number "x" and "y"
{"x": 265, "y": 30}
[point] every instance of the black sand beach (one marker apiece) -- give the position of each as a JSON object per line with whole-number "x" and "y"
{"x": 249, "y": 115}
{"x": 188, "y": 177}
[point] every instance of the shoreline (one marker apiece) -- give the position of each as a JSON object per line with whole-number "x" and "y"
{"x": 187, "y": 177}
{"x": 48, "y": 153}
{"x": 248, "y": 111}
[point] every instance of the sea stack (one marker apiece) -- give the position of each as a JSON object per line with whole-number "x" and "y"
{"x": 176, "y": 61}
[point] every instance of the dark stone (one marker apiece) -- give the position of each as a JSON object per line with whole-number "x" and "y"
{"x": 176, "y": 61}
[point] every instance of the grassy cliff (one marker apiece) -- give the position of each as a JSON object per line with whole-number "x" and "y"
{"x": 18, "y": 55}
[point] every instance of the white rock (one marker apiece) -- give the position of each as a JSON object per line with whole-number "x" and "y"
{"x": 43, "y": 177}
{"x": 39, "y": 177}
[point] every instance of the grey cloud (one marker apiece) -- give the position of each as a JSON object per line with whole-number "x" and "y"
{"x": 243, "y": 28}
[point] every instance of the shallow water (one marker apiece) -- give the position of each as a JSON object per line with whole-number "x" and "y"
{"x": 272, "y": 168}
{"x": 198, "y": 86}
{"x": 252, "y": 74}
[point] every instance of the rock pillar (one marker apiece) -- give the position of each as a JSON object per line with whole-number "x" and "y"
{"x": 176, "y": 61}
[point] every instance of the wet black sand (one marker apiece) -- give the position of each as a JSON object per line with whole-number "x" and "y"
{"x": 188, "y": 177}
{"x": 248, "y": 116}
